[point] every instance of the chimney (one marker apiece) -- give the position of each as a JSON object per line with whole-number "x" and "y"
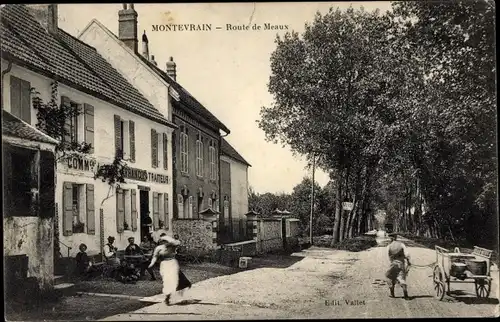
{"x": 127, "y": 26}
{"x": 45, "y": 14}
{"x": 171, "y": 68}
{"x": 153, "y": 60}
{"x": 145, "y": 46}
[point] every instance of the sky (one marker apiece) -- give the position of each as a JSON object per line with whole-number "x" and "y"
{"x": 227, "y": 71}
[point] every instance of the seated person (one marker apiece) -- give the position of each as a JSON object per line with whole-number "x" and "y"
{"x": 147, "y": 244}
{"x": 127, "y": 273}
{"x": 133, "y": 249}
{"x": 110, "y": 252}
{"x": 83, "y": 263}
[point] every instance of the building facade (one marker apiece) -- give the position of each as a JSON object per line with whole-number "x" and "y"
{"x": 234, "y": 182}
{"x": 115, "y": 119}
{"x": 197, "y": 137}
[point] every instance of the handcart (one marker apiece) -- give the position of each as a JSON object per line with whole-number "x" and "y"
{"x": 458, "y": 267}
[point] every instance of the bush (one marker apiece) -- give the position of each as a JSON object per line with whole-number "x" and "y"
{"x": 356, "y": 244}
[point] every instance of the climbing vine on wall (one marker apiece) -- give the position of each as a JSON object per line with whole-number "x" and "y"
{"x": 53, "y": 118}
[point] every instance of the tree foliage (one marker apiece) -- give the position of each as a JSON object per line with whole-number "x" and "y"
{"x": 397, "y": 107}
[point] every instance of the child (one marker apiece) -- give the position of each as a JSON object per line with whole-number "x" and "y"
{"x": 127, "y": 273}
{"x": 83, "y": 264}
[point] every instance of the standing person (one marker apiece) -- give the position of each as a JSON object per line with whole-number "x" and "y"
{"x": 169, "y": 267}
{"x": 399, "y": 259}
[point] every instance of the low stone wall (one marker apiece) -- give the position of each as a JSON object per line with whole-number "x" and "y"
{"x": 195, "y": 233}
{"x": 269, "y": 235}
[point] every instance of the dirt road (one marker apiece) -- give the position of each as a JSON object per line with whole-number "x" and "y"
{"x": 324, "y": 284}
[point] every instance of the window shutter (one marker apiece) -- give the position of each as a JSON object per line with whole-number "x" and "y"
{"x": 67, "y": 209}
{"x": 26, "y": 101}
{"x": 118, "y": 135}
{"x": 47, "y": 184}
{"x": 120, "y": 210}
{"x": 133, "y": 209}
{"x": 165, "y": 208}
{"x": 131, "y": 127}
{"x": 165, "y": 151}
{"x": 15, "y": 96}
{"x": 154, "y": 149}
{"x": 89, "y": 125}
{"x": 90, "y": 209}
{"x": 156, "y": 217}
{"x": 66, "y": 103}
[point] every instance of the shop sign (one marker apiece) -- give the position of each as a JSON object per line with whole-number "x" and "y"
{"x": 143, "y": 175}
{"x": 80, "y": 163}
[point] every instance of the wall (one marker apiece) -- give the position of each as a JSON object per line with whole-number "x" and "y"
{"x": 32, "y": 236}
{"x": 269, "y": 235}
{"x": 292, "y": 240}
{"x": 195, "y": 233}
{"x": 190, "y": 180}
{"x": 104, "y": 153}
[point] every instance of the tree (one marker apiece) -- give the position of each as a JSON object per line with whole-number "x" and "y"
{"x": 331, "y": 86}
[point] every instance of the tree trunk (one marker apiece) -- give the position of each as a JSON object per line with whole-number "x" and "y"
{"x": 338, "y": 210}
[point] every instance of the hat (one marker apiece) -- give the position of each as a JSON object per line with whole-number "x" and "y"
{"x": 130, "y": 238}
{"x": 111, "y": 238}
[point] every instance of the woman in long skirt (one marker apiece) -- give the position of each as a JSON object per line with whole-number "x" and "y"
{"x": 169, "y": 267}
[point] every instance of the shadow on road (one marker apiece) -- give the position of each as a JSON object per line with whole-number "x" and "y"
{"x": 193, "y": 301}
{"x": 472, "y": 300}
{"x": 420, "y": 297}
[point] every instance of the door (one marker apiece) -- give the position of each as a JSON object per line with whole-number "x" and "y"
{"x": 146, "y": 220}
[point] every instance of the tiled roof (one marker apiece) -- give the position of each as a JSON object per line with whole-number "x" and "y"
{"x": 25, "y": 39}
{"x": 14, "y": 126}
{"x": 229, "y": 151}
{"x": 111, "y": 76}
{"x": 194, "y": 107}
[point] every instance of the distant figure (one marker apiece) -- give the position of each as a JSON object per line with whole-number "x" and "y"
{"x": 147, "y": 244}
{"x": 399, "y": 263}
{"x": 127, "y": 273}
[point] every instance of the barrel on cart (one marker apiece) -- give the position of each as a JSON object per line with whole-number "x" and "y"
{"x": 458, "y": 267}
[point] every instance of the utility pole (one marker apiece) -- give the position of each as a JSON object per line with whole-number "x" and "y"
{"x": 312, "y": 202}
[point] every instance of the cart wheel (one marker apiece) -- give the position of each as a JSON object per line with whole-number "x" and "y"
{"x": 439, "y": 284}
{"x": 483, "y": 288}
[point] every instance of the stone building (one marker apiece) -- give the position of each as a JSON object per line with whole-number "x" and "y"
{"x": 115, "y": 118}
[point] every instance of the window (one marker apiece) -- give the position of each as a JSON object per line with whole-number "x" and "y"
{"x": 180, "y": 206}
{"x": 125, "y": 138}
{"x": 78, "y": 208}
{"x": 216, "y": 207}
{"x": 20, "y": 99}
{"x": 71, "y": 135}
{"x": 190, "y": 207}
{"x": 127, "y": 221}
{"x": 126, "y": 210}
{"x": 165, "y": 151}
{"x": 184, "y": 146}
{"x": 212, "y": 157}
{"x": 199, "y": 156}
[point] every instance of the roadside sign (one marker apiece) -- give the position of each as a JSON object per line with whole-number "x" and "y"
{"x": 347, "y": 205}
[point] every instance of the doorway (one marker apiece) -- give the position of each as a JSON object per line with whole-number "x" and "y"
{"x": 146, "y": 220}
